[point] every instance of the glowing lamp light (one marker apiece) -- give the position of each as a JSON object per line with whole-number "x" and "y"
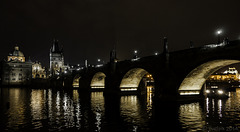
{"x": 220, "y": 91}
{"x": 135, "y": 51}
{"x": 207, "y": 91}
{"x": 99, "y": 60}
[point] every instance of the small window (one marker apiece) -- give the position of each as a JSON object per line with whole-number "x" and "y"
{"x": 13, "y": 79}
{"x": 19, "y": 78}
{"x": 20, "y": 74}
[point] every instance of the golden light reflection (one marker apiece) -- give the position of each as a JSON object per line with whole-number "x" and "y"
{"x": 37, "y": 106}
{"x": 97, "y": 106}
{"x": 17, "y": 109}
{"x": 129, "y": 108}
{"x": 149, "y": 98}
{"x": 77, "y": 108}
{"x": 58, "y": 103}
{"x": 50, "y": 115}
{"x": 68, "y": 111}
{"x": 238, "y": 92}
{"x": 190, "y": 117}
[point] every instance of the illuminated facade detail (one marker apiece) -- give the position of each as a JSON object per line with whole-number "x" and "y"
{"x": 16, "y": 71}
{"x": 231, "y": 70}
{"x": 38, "y": 71}
{"x": 193, "y": 82}
{"x": 98, "y": 80}
{"x": 229, "y": 75}
{"x": 56, "y": 59}
{"x": 16, "y": 55}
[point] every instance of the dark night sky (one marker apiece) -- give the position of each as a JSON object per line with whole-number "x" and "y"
{"x": 88, "y": 29}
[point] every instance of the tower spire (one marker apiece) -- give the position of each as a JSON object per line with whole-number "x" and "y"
{"x": 55, "y": 47}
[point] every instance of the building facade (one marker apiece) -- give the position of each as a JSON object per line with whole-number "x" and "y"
{"x": 38, "y": 71}
{"x": 56, "y": 59}
{"x": 16, "y": 71}
{"x": 229, "y": 75}
{"x": 57, "y": 66}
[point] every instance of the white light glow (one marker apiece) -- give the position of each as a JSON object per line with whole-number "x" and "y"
{"x": 220, "y": 91}
{"x": 219, "y": 32}
{"x": 189, "y": 92}
{"x": 207, "y": 91}
{"x": 128, "y": 89}
{"x": 98, "y": 87}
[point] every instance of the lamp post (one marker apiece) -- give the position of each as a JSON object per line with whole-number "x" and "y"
{"x": 135, "y": 54}
{"x": 219, "y": 32}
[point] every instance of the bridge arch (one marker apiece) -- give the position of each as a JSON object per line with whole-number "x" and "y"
{"x": 75, "y": 82}
{"x": 193, "y": 82}
{"x": 98, "y": 80}
{"x": 131, "y": 80}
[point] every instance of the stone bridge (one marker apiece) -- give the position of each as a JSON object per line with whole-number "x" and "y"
{"x": 179, "y": 73}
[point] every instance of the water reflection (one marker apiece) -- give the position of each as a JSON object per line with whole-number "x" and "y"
{"x": 38, "y": 112}
{"x": 17, "y": 109}
{"x": 77, "y": 108}
{"x": 97, "y": 106}
{"x": 149, "y": 101}
{"x": 190, "y": 116}
{"x": 135, "y": 112}
{"x": 58, "y": 110}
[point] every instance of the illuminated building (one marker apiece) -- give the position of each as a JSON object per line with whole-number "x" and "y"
{"x": 229, "y": 75}
{"x": 57, "y": 60}
{"x": 38, "y": 71}
{"x": 16, "y": 71}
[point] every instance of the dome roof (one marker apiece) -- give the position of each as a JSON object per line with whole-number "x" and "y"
{"x": 17, "y": 52}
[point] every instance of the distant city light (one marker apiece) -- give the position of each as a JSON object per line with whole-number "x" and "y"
{"x": 135, "y": 51}
{"x": 219, "y": 32}
{"x": 156, "y": 53}
{"x": 99, "y": 60}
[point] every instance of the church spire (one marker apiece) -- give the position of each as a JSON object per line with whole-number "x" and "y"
{"x": 55, "y": 47}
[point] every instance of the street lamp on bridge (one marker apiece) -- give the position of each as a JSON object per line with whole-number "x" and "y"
{"x": 135, "y": 54}
{"x": 219, "y": 32}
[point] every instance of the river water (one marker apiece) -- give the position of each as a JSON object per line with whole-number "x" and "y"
{"x": 58, "y": 110}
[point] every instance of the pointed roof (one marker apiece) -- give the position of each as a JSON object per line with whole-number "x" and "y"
{"x": 55, "y": 47}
